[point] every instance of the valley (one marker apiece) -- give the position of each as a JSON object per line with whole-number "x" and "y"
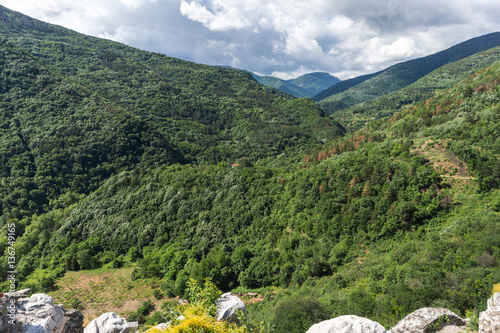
{"x": 127, "y": 173}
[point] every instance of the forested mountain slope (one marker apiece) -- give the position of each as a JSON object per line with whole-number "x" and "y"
{"x": 111, "y": 157}
{"x": 77, "y": 109}
{"x": 387, "y": 105}
{"x": 377, "y": 224}
{"x": 58, "y": 136}
{"x": 400, "y": 75}
{"x": 212, "y": 113}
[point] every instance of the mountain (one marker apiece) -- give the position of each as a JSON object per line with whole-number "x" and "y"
{"x": 287, "y": 87}
{"x": 78, "y": 109}
{"x": 343, "y": 86}
{"x": 442, "y": 78}
{"x": 398, "y": 76}
{"x": 405, "y": 211}
{"x": 306, "y": 85}
{"x": 114, "y": 157}
{"x": 315, "y": 82}
{"x": 195, "y": 105}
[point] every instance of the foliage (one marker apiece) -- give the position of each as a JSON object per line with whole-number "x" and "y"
{"x": 126, "y": 160}
{"x": 357, "y": 116}
{"x": 141, "y": 314}
{"x": 199, "y": 313}
{"x": 296, "y": 315}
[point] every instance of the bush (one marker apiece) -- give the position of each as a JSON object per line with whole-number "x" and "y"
{"x": 297, "y": 315}
{"x": 199, "y": 313}
{"x": 157, "y": 294}
{"x": 76, "y": 304}
{"x": 167, "y": 287}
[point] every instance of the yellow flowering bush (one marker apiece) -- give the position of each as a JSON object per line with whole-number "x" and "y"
{"x": 199, "y": 314}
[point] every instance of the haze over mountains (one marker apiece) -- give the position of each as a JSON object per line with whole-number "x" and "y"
{"x": 115, "y": 157}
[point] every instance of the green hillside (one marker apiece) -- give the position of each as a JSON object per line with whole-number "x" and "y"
{"x": 442, "y": 78}
{"x": 343, "y": 86}
{"x": 115, "y": 157}
{"x": 401, "y": 75}
{"x": 59, "y": 137}
{"x": 212, "y": 113}
{"x": 393, "y": 218}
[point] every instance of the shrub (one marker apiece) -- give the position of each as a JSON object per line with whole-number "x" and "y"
{"x": 297, "y": 315}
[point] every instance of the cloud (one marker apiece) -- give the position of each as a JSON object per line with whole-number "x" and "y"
{"x": 223, "y": 18}
{"x": 284, "y": 37}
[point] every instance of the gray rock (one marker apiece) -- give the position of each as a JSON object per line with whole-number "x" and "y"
{"x": 227, "y": 305}
{"x": 162, "y": 326}
{"x": 23, "y": 293}
{"x": 494, "y": 301}
{"x": 347, "y": 324}
{"x": 8, "y": 323}
{"x": 428, "y": 320}
{"x": 110, "y": 322}
{"x": 489, "y": 320}
{"x": 38, "y": 314}
{"x": 74, "y": 321}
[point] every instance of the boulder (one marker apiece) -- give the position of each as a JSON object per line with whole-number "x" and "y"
{"x": 110, "y": 322}
{"x": 38, "y": 314}
{"x": 7, "y": 315}
{"x": 494, "y": 301}
{"x": 347, "y": 324}
{"x": 227, "y": 305}
{"x": 74, "y": 321}
{"x": 428, "y": 320}
{"x": 489, "y": 320}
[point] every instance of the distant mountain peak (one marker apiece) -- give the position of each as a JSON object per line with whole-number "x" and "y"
{"x": 306, "y": 85}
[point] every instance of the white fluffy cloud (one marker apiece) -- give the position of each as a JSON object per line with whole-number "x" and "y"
{"x": 280, "y": 37}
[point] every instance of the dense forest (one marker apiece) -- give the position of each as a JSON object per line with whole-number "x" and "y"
{"x": 111, "y": 157}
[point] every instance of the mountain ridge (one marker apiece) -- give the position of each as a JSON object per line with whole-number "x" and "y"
{"x": 114, "y": 157}
{"x": 306, "y": 85}
{"x": 400, "y": 75}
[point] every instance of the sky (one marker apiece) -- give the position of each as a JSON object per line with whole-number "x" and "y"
{"x": 282, "y": 38}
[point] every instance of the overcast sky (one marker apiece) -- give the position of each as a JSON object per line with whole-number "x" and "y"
{"x": 284, "y": 38}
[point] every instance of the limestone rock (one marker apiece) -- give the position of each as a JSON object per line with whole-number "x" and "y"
{"x": 227, "y": 305}
{"x": 428, "y": 320}
{"x": 110, "y": 322}
{"x": 38, "y": 314}
{"x": 347, "y": 324}
{"x": 74, "y": 321}
{"x": 494, "y": 301}
{"x": 23, "y": 293}
{"x": 7, "y": 314}
{"x": 489, "y": 320}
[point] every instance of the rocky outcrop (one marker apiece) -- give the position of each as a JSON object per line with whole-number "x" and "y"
{"x": 494, "y": 301}
{"x": 8, "y": 310}
{"x": 489, "y": 320}
{"x": 110, "y": 322}
{"x": 74, "y": 321}
{"x": 39, "y": 314}
{"x": 347, "y": 324}
{"x": 227, "y": 305}
{"x": 428, "y": 320}
{"x": 36, "y": 314}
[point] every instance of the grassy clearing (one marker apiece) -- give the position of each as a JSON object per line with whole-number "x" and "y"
{"x": 104, "y": 290}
